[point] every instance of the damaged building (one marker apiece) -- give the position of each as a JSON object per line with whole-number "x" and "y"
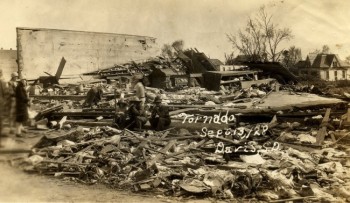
{"x": 41, "y": 49}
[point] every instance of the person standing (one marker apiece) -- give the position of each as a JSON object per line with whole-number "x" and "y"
{"x": 12, "y": 101}
{"x": 3, "y": 99}
{"x": 160, "y": 118}
{"x": 139, "y": 89}
{"x": 22, "y": 104}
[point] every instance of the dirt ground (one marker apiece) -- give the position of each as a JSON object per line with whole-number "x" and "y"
{"x": 17, "y": 186}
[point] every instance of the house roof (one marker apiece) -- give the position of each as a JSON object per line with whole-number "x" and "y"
{"x": 311, "y": 58}
{"x": 231, "y": 73}
{"x": 326, "y": 60}
{"x": 321, "y": 61}
{"x": 242, "y": 58}
{"x": 216, "y": 62}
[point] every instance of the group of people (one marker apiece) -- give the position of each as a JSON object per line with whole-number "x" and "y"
{"x": 134, "y": 115}
{"x": 14, "y": 103}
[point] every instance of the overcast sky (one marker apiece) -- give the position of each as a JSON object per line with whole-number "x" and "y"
{"x": 202, "y": 24}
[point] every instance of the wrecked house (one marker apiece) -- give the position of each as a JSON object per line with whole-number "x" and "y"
{"x": 215, "y": 80}
{"x": 167, "y": 78}
{"x": 47, "y": 81}
{"x": 273, "y": 70}
{"x": 121, "y": 74}
{"x": 327, "y": 67}
{"x": 268, "y": 69}
{"x": 216, "y": 63}
{"x": 39, "y": 49}
{"x": 198, "y": 62}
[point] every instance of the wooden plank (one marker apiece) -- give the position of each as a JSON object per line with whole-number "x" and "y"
{"x": 64, "y": 163}
{"x": 291, "y": 199}
{"x": 171, "y": 113}
{"x": 60, "y": 69}
{"x": 158, "y": 156}
{"x": 48, "y": 111}
{"x": 83, "y": 114}
{"x": 59, "y": 97}
{"x": 229, "y": 81}
{"x": 186, "y": 150}
{"x": 62, "y": 121}
{"x": 89, "y": 123}
{"x": 323, "y": 131}
{"x": 14, "y": 151}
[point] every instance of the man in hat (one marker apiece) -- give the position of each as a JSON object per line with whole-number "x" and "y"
{"x": 12, "y": 84}
{"x": 160, "y": 118}
{"x": 135, "y": 115}
{"x": 139, "y": 88}
{"x": 3, "y": 99}
{"x": 120, "y": 116}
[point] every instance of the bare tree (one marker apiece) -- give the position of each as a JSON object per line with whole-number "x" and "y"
{"x": 250, "y": 42}
{"x": 347, "y": 59}
{"x": 170, "y": 50}
{"x": 167, "y": 51}
{"x": 261, "y": 38}
{"x": 291, "y": 56}
{"x": 178, "y": 45}
{"x": 325, "y": 49}
{"x": 229, "y": 58}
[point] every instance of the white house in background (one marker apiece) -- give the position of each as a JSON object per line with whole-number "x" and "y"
{"x": 324, "y": 66}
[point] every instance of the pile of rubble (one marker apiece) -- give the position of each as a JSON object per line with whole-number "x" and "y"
{"x": 263, "y": 161}
{"x": 250, "y": 159}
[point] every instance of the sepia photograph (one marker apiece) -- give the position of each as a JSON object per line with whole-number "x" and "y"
{"x": 184, "y": 101}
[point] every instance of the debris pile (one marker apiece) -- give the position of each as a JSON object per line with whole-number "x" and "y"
{"x": 301, "y": 154}
{"x": 264, "y": 161}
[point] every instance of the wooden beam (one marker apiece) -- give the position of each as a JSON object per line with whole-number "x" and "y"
{"x": 82, "y": 114}
{"x": 14, "y": 151}
{"x": 48, "y": 111}
{"x": 158, "y": 156}
{"x": 89, "y": 123}
{"x": 171, "y": 113}
{"x": 59, "y": 97}
{"x": 291, "y": 199}
{"x": 323, "y": 130}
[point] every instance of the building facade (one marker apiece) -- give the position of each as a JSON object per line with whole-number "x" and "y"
{"x": 327, "y": 67}
{"x": 41, "y": 49}
{"x": 8, "y": 62}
